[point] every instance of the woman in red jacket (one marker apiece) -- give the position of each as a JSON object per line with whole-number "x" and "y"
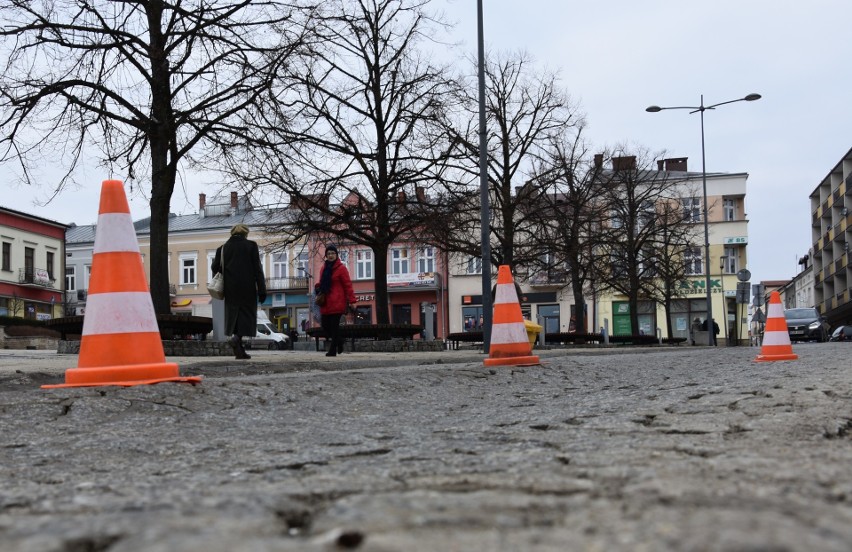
{"x": 336, "y": 285}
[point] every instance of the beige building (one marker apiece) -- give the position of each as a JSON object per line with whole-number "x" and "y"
{"x": 728, "y": 239}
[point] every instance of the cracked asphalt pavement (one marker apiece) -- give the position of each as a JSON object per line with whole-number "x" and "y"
{"x": 688, "y": 449}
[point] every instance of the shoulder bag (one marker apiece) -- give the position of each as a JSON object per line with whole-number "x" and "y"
{"x": 216, "y": 288}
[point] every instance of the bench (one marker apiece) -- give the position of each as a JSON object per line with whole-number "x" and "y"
{"x": 172, "y": 326}
{"x": 455, "y": 338}
{"x": 573, "y": 338}
{"x": 378, "y": 332}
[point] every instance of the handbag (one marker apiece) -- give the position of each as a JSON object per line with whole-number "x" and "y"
{"x": 216, "y": 288}
{"x": 320, "y": 300}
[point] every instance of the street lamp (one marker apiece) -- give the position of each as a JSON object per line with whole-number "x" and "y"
{"x": 484, "y": 197}
{"x": 307, "y": 274}
{"x": 701, "y": 109}
{"x": 722, "y": 261}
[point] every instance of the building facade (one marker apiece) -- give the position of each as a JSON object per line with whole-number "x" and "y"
{"x": 831, "y": 235}
{"x": 728, "y": 239}
{"x": 32, "y": 260}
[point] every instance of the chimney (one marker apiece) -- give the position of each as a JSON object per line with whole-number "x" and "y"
{"x": 233, "y": 200}
{"x": 626, "y": 163}
{"x": 202, "y": 201}
{"x": 598, "y": 160}
{"x": 660, "y": 163}
{"x": 421, "y": 194}
{"x": 400, "y": 196}
{"x": 676, "y": 164}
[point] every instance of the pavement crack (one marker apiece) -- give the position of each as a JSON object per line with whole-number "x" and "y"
{"x": 369, "y": 452}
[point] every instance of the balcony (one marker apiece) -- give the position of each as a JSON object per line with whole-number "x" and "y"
{"x": 286, "y": 283}
{"x": 549, "y": 278}
{"x": 76, "y": 296}
{"x": 35, "y": 277}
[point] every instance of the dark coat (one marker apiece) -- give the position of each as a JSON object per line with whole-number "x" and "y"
{"x": 340, "y": 294}
{"x": 244, "y": 282}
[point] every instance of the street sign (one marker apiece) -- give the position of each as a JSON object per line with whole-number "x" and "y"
{"x": 742, "y": 293}
{"x": 743, "y": 275}
{"x": 758, "y": 290}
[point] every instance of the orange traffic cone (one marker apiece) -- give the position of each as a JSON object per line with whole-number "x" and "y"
{"x": 121, "y": 340}
{"x": 776, "y": 340}
{"x": 510, "y": 345}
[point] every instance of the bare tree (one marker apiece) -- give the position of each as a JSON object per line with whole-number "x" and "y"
{"x": 643, "y": 236}
{"x": 571, "y": 216}
{"x": 361, "y": 155}
{"x": 525, "y": 111}
{"x": 151, "y": 84}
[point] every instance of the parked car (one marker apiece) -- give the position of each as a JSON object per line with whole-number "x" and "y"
{"x": 846, "y": 333}
{"x": 267, "y": 336}
{"x": 805, "y": 324}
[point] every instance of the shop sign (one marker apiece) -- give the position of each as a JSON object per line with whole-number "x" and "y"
{"x": 736, "y": 240}
{"x": 411, "y": 279}
{"x": 365, "y": 298}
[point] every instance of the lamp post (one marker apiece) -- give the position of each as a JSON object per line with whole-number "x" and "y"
{"x": 722, "y": 260}
{"x": 307, "y": 274}
{"x": 484, "y": 197}
{"x": 701, "y": 108}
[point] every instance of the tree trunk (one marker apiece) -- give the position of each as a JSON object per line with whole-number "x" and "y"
{"x": 381, "y": 254}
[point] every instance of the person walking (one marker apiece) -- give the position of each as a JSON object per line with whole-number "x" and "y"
{"x": 336, "y": 286}
{"x": 245, "y": 285}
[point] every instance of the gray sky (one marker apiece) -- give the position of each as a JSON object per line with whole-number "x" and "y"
{"x": 617, "y": 57}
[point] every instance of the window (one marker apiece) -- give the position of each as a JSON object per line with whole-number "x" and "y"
{"x": 364, "y": 264}
{"x": 474, "y": 265}
{"x": 647, "y": 262}
{"x": 71, "y": 278}
{"x": 88, "y": 276}
{"x": 400, "y": 261}
{"x": 279, "y": 264}
{"x": 302, "y": 264}
{"x": 187, "y": 269}
{"x": 343, "y": 255}
{"x": 615, "y": 219}
{"x": 426, "y": 259}
{"x": 692, "y": 260}
{"x": 29, "y": 263}
{"x": 647, "y": 214}
{"x": 7, "y": 256}
{"x": 730, "y": 209}
{"x": 691, "y": 209}
{"x": 730, "y": 261}
{"x": 211, "y": 255}
{"x": 49, "y": 266}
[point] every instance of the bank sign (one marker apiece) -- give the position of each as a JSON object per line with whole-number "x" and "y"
{"x": 700, "y": 286}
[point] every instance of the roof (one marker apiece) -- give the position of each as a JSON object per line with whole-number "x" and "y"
{"x": 42, "y": 220}
{"x": 80, "y": 234}
{"x": 187, "y": 223}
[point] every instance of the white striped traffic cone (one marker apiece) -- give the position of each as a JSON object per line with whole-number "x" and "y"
{"x": 510, "y": 345}
{"x": 776, "y": 338}
{"x": 121, "y": 342}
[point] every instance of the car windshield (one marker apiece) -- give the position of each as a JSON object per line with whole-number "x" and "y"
{"x": 795, "y": 314}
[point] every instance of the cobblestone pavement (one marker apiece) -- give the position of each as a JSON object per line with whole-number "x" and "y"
{"x": 692, "y": 449}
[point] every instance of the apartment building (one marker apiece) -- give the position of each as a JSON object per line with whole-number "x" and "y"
{"x": 32, "y": 255}
{"x": 831, "y": 235}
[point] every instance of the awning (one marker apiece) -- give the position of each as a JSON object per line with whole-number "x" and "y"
{"x": 182, "y": 303}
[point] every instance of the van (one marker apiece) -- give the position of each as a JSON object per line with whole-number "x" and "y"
{"x": 268, "y": 336}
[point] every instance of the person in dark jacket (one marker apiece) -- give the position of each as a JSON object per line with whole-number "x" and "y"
{"x": 339, "y": 298}
{"x": 244, "y": 286}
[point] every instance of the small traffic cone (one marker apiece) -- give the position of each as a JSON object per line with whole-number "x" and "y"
{"x": 121, "y": 342}
{"x": 510, "y": 345}
{"x": 776, "y": 339}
